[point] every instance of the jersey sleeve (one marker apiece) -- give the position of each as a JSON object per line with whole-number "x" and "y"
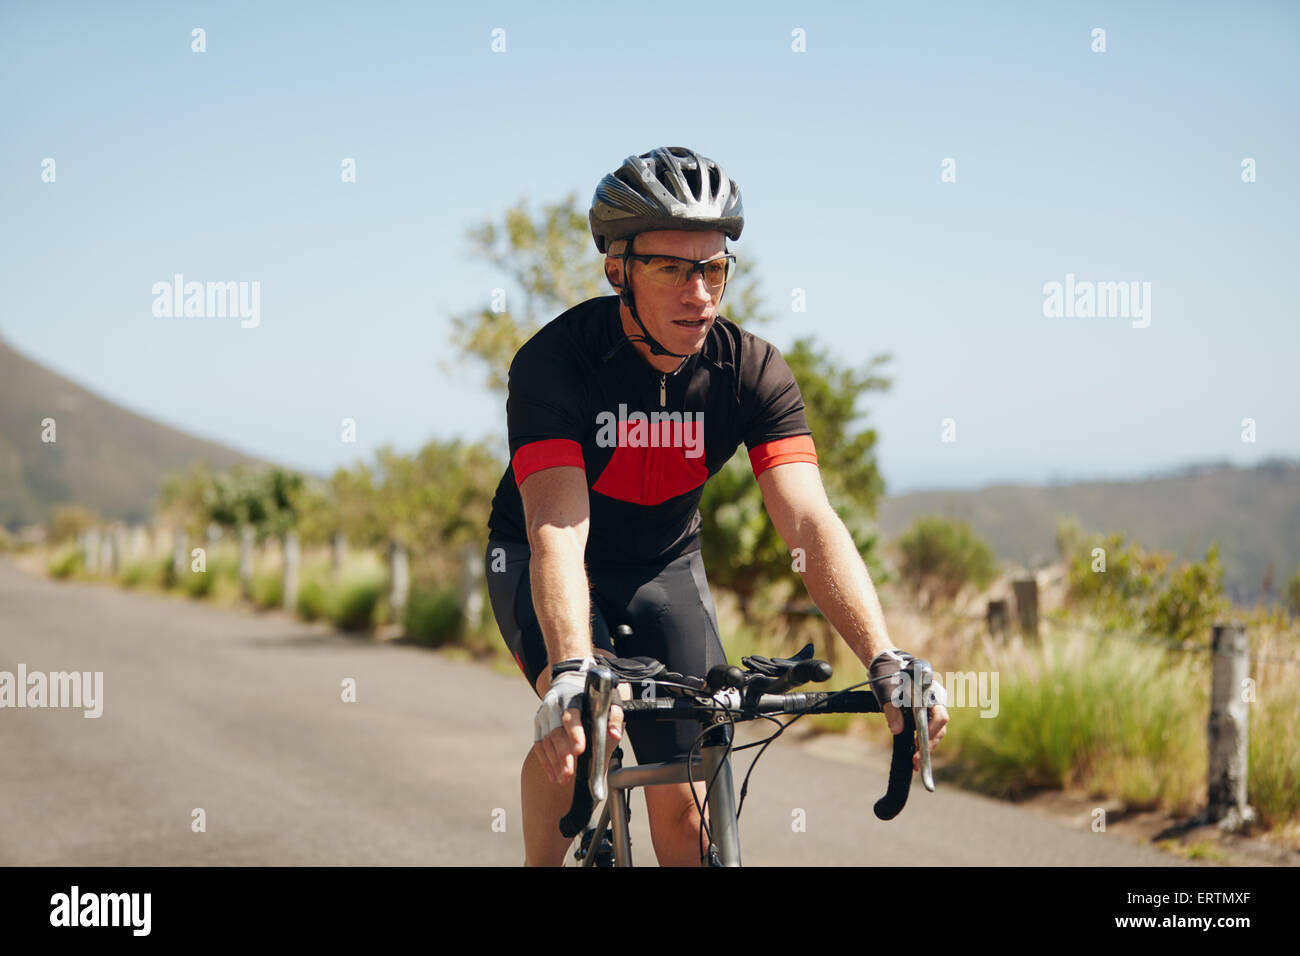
{"x": 543, "y": 418}
{"x": 776, "y": 431}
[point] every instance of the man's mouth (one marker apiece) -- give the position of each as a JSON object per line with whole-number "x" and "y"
{"x": 690, "y": 324}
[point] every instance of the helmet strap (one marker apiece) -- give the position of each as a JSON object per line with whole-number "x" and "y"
{"x": 627, "y": 298}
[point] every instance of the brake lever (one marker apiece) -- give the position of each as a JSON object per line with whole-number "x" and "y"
{"x": 922, "y": 675}
{"x": 600, "y": 693}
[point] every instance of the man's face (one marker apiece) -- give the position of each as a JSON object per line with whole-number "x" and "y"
{"x": 680, "y": 318}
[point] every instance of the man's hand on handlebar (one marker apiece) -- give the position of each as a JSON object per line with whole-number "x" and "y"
{"x": 890, "y": 689}
{"x": 558, "y": 734}
{"x": 938, "y": 727}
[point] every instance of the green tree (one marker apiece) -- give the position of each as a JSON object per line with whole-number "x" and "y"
{"x": 67, "y": 522}
{"x": 941, "y": 557}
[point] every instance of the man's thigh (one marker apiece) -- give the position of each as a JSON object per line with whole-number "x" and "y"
{"x": 673, "y": 620}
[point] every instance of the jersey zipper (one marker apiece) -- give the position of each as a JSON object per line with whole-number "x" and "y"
{"x": 663, "y": 389}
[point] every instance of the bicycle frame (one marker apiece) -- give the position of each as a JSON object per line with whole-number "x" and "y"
{"x": 720, "y": 798}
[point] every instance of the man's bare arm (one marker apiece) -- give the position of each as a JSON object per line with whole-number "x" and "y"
{"x": 834, "y": 573}
{"x": 557, "y": 514}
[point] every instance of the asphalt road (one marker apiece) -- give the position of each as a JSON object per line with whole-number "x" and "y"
{"x": 242, "y": 716}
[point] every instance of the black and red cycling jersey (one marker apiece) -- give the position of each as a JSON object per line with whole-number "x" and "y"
{"x": 575, "y": 390}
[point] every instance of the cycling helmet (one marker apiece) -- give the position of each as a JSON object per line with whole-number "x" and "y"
{"x": 667, "y": 188}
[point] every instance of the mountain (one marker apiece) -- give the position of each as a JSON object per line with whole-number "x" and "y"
{"x": 104, "y": 457}
{"x": 1254, "y": 514}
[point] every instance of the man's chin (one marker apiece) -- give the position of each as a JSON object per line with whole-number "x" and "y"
{"x": 690, "y": 340}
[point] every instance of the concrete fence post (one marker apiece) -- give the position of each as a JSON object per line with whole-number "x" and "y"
{"x": 180, "y": 552}
{"x": 1229, "y": 728}
{"x": 139, "y": 544}
{"x": 92, "y": 551}
{"x": 471, "y": 594}
{"x": 400, "y": 572}
{"x": 109, "y": 553}
{"x": 292, "y": 560}
{"x": 338, "y": 552}
{"x": 247, "y": 536}
{"x": 1026, "y": 591}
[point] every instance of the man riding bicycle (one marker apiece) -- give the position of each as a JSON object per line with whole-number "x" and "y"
{"x": 618, "y": 412}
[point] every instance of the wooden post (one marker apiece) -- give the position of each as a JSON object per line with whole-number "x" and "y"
{"x": 998, "y": 617}
{"x": 1229, "y": 728}
{"x": 400, "y": 571}
{"x": 292, "y": 557}
{"x": 246, "y": 538}
{"x": 1026, "y": 591}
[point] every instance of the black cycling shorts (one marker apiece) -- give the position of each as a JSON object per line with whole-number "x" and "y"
{"x": 667, "y": 605}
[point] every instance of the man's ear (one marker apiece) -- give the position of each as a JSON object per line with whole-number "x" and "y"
{"x": 612, "y": 272}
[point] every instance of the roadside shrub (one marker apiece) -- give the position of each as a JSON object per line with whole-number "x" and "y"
{"x": 1112, "y": 716}
{"x": 133, "y": 575}
{"x": 941, "y": 557}
{"x": 1190, "y": 601}
{"x": 313, "y": 600}
{"x": 1127, "y": 587}
{"x": 433, "y": 616}
{"x": 1292, "y": 593}
{"x": 66, "y": 563}
{"x": 354, "y": 603}
{"x": 1273, "y": 778}
{"x": 266, "y": 589}
{"x": 68, "y": 521}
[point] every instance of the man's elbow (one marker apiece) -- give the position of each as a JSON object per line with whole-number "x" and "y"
{"x": 547, "y": 535}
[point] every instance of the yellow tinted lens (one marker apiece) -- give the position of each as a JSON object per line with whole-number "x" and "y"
{"x": 665, "y": 271}
{"x": 715, "y": 273}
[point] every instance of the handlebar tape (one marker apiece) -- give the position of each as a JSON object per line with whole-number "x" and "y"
{"x": 900, "y": 770}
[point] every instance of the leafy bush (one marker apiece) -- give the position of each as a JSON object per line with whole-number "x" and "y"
{"x": 433, "y": 617}
{"x": 66, "y": 563}
{"x": 942, "y": 556}
{"x": 1190, "y": 601}
{"x": 198, "y": 584}
{"x": 133, "y": 575}
{"x": 1292, "y": 593}
{"x": 1128, "y": 587}
{"x": 352, "y": 607}
{"x": 313, "y": 599}
{"x": 266, "y": 589}
{"x": 67, "y": 522}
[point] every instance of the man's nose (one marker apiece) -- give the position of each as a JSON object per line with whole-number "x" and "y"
{"x": 697, "y": 289}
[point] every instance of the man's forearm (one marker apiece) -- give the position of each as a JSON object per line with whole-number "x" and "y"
{"x": 840, "y": 585}
{"x": 561, "y": 593}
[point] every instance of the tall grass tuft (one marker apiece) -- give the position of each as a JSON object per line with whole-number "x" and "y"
{"x": 1109, "y": 715}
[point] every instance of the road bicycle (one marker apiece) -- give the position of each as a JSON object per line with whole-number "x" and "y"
{"x": 726, "y": 695}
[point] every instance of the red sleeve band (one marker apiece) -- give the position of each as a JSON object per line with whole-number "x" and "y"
{"x": 549, "y": 453}
{"x": 782, "y": 451}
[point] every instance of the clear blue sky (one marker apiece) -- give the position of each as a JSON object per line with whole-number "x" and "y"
{"x": 1115, "y": 166}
